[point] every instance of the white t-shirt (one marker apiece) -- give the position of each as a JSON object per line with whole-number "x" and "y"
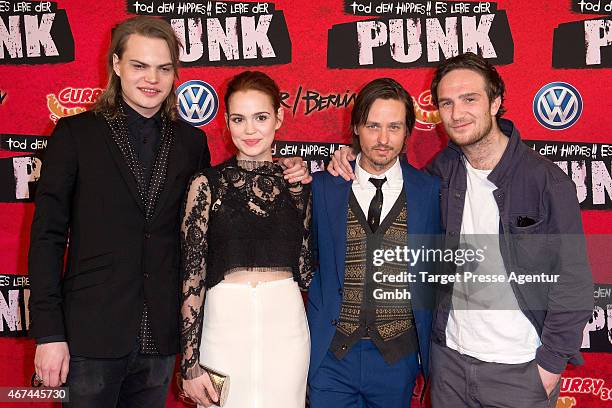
{"x": 486, "y": 322}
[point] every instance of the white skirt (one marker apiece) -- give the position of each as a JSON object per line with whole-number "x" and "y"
{"x": 259, "y": 337}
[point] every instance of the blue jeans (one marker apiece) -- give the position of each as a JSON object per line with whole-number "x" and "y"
{"x": 363, "y": 378}
{"x": 134, "y": 381}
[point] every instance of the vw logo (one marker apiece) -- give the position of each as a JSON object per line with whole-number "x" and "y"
{"x": 557, "y": 105}
{"x": 198, "y": 102}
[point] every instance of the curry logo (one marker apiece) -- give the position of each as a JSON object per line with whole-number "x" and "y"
{"x": 566, "y": 402}
{"x": 427, "y": 115}
{"x": 70, "y": 101}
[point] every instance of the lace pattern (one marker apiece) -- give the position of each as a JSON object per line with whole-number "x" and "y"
{"x": 194, "y": 246}
{"x": 247, "y": 190}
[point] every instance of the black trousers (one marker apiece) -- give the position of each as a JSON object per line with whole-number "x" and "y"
{"x": 136, "y": 380}
{"x": 459, "y": 381}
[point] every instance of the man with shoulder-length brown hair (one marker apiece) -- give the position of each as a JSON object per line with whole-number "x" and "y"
{"x": 113, "y": 179}
{"x": 369, "y": 323}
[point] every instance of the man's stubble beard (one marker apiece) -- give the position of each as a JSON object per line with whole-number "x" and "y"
{"x": 379, "y": 165}
{"x": 479, "y": 138}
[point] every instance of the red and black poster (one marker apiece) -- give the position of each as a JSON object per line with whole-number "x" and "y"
{"x": 555, "y": 58}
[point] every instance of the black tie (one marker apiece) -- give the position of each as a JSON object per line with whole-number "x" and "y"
{"x": 376, "y": 204}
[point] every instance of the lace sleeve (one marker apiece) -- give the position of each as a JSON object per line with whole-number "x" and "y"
{"x": 303, "y": 200}
{"x": 194, "y": 249}
{"x": 305, "y": 264}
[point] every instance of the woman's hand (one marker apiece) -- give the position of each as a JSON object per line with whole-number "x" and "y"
{"x": 201, "y": 390}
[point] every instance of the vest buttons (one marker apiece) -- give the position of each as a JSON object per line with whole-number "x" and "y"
{"x": 147, "y": 235}
{"x": 146, "y": 275}
{"x": 334, "y": 322}
{"x": 343, "y": 347}
{"x": 340, "y": 292}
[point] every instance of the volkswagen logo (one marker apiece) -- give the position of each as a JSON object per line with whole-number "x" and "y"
{"x": 198, "y": 102}
{"x": 557, "y": 105}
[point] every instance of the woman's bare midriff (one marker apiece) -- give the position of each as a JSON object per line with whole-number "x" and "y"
{"x": 254, "y": 277}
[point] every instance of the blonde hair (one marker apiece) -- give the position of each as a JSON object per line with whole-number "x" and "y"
{"x": 108, "y": 102}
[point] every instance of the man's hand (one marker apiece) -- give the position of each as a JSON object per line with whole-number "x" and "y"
{"x": 295, "y": 170}
{"x": 340, "y": 166}
{"x": 549, "y": 380}
{"x": 194, "y": 390}
{"x": 51, "y": 363}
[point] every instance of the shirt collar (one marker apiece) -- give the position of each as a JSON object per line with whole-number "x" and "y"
{"x": 134, "y": 117}
{"x": 393, "y": 174}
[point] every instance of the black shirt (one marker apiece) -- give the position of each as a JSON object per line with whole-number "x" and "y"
{"x": 145, "y": 135}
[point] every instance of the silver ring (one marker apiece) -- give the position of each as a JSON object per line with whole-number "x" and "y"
{"x": 37, "y": 381}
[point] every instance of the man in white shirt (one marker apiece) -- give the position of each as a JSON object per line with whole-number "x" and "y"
{"x": 369, "y": 327}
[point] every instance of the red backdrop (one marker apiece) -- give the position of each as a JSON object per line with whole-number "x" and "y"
{"x": 33, "y": 88}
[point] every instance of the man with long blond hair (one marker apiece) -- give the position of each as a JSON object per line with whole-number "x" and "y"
{"x": 112, "y": 184}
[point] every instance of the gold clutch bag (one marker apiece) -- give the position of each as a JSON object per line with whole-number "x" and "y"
{"x": 221, "y": 384}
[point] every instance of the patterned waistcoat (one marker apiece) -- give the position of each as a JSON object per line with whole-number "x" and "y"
{"x": 374, "y": 307}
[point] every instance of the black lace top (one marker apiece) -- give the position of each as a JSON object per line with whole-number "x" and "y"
{"x": 239, "y": 215}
